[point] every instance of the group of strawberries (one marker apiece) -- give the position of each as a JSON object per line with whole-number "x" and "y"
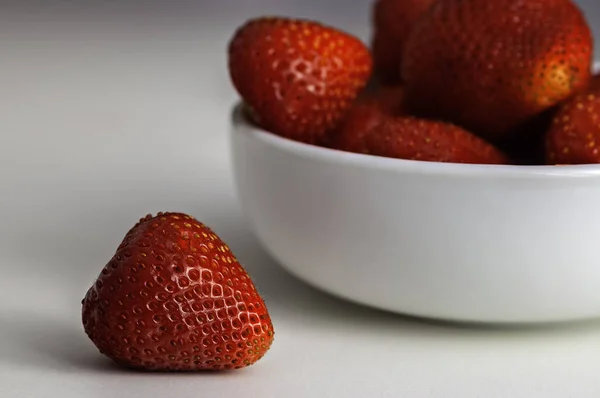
{"x": 462, "y": 81}
{"x": 466, "y": 81}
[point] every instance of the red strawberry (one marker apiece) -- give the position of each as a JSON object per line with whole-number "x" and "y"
{"x": 574, "y": 135}
{"x": 393, "y": 21}
{"x": 298, "y": 76}
{"x": 490, "y": 66}
{"x": 391, "y": 99}
{"x": 419, "y": 139}
{"x": 173, "y": 297}
{"x": 367, "y": 112}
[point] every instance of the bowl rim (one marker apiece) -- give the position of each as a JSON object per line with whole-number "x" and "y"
{"x": 330, "y": 155}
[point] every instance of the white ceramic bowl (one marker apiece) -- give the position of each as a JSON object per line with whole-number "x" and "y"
{"x": 475, "y": 243}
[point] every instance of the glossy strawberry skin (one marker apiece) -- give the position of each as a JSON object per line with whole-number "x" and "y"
{"x": 299, "y": 77}
{"x": 392, "y": 22}
{"x": 418, "y": 139}
{"x": 174, "y": 297}
{"x": 366, "y": 113}
{"x": 574, "y": 135}
{"x": 490, "y": 66}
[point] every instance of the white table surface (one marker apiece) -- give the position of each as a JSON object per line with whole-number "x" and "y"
{"x": 113, "y": 109}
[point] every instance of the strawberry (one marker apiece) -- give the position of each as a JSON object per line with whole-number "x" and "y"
{"x": 490, "y": 66}
{"x": 419, "y": 139}
{"x": 574, "y": 134}
{"x": 391, "y": 99}
{"x": 173, "y": 297}
{"x": 366, "y": 113}
{"x": 393, "y": 20}
{"x": 299, "y": 77}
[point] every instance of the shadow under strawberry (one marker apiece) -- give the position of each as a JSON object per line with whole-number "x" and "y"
{"x": 48, "y": 343}
{"x": 44, "y": 342}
